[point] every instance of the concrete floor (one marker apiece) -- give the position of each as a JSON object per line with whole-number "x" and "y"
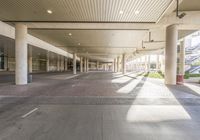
{"x": 99, "y": 106}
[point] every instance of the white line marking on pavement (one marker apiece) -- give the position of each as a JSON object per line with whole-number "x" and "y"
{"x": 70, "y": 77}
{"x": 25, "y": 115}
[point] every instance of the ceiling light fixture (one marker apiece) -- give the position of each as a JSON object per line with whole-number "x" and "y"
{"x": 79, "y": 44}
{"x": 70, "y": 34}
{"x": 49, "y": 12}
{"x": 121, "y": 12}
{"x": 137, "y": 12}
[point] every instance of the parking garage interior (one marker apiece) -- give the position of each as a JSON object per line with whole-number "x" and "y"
{"x": 103, "y": 70}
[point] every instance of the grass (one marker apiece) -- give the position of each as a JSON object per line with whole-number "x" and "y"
{"x": 194, "y": 75}
{"x": 188, "y": 75}
{"x": 157, "y": 75}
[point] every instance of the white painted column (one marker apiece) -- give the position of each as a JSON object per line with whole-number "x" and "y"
{"x": 163, "y": 62}
{"x": 30, "y": 59}
{"x": 149, "y": 63}
{"x": 118, "y": 63}
{"x": 85, "y": 64}
{"x": 158, "y": 63}
{"x": 182, "y": 57}
{"x": 140, "y": 63}
{"x": 171, "y": 55}
{"x": 115, "y": 68}
{"x": 81, "y": 64}
{"x": 124, "y": 63}
{"x": 5, "y": 57}
{"x": 146, "y": 64}
{"x": 74, "y": 63}
{"x": 58, "y": 62}
{"x": 21, "y": 54}
{"x": 97, "y": 65}
{"x": 112, "y": 66}
{"x": 47, "y": 62}
{"x": 63, "y": 63}
{"x": 66, "y": 64}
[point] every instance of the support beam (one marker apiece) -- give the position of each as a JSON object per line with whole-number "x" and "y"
{"x": 146, "y": 63}
{"x": 66, "y": 63}
{"x": 182, "y": 57}
{"x": 61, "y": 63}
{"x": 74, "y": 63}
{"x": 30, "y": 59}
{"x": 21, "y": 54}
{"x": 118, "y": 64}
{"x": 115, "y": 67}
{"x": 47, "y": 61}
{"x": 158, "y": 63}
{"x": 90, "y": 26}
{"x": 149, "y": 63}
{"x": 81, "y": 64}
{"x": 58, "y": 62}
{"x": 6, "y": 67}
{"x": 85, "y": 64}
{"x": 171, "y": 55}
{"x": 181, "y": 73}
{"x": 97, "y": 65}
{"x": 124, "y": 63}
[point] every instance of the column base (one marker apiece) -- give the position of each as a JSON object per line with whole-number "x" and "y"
{"x": 179, "y": 79}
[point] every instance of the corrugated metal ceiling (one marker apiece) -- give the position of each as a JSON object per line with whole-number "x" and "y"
{"x": 83, "y": 10}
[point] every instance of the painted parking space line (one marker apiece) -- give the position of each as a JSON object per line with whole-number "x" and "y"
{"x": 30, "y": 112}
{"x": 70, "y": 77}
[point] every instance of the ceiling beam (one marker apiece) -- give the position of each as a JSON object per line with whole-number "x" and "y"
{"x": 88, "y": 26}
{"x": 99, "y": 47}
{"x": 190, "y": 21}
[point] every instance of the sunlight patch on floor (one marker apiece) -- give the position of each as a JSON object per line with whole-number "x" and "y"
{"x": 121, "y": 80}
{"x": 129, "y": 87}
{"x": 155, "y": 113}
{"x": 193, "y": 87}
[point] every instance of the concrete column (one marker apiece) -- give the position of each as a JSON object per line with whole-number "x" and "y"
{"x": 112, "y": 66}
{"x": 30, "y": 59}
{"x": 149, "y": 63}
{"x": 181, "y": 72}
{"x": 81, "y": 64}
{"x": 58, "y": 63}
{"x": 21, "y": 54}
{"x": 5, "y": 58}
{"x": 182, "y": 58}
{"x": 47, "y": 62}
{"x": 63, "y": 63}
{"x": 171, "y": 55}
{"x": 115, "y": 68}
{"x": 74, "y": 63}
{"x": 85, "y": 64}
{"x": 124, "y": 63}
{"x": 118, "y": 64}
{"x": 66, "y": 64}
{"x": 163, "y": 62}
{"x": 97, "y": 65}
{"x": 146, "y": 64}
{"x": 158, "y": 63}
{"x": 140, "y": 63}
